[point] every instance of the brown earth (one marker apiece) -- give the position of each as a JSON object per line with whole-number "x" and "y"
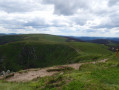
{"x": 30, "y": 74}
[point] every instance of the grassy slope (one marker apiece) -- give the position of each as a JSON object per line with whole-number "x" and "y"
{"x": 32, "y": 51}
{"x": 94, "y": 77}
{"x": 41, "y": 50}
{"x": 14, "y": 86}
{"x": 90, "y": 51}
{"x": 100, "y": 76}
{"x": 22, "y": 55}
{"x": 31, "y": 37}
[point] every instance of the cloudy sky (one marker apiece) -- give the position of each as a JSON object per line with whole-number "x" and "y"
{"x": 60, "y": 17}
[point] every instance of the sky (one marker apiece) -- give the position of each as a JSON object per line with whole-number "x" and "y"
{"x": 60, "y": 17}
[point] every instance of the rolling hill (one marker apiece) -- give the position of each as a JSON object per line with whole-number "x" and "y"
{"x": 19, "y": 52}
{"x": 99, "y": 40}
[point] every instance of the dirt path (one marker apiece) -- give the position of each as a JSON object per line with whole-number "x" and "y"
{"x": 30, "y": 74}
{"x": 77, "y": 65}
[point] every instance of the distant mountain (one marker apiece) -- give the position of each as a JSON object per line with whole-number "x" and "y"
{"x": 2, "y": 34}
{"x": 12, "y": 34}
{"x": 104, "y": 41}
{"x": 114, "y": 39}
{"x": 88, "y": 38}
{"x": 99, "y": 40}
{"x": 73, "y": 39}
{"x": 94, "y": 38}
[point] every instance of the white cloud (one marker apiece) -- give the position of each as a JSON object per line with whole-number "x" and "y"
{"x": 69, "y": 17}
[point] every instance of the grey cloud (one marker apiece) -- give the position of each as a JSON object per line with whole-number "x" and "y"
{"x": 35, "y": 22}
{"x": 17, "y": 6}
{"x": 108, "y": 26}
{"x": 67, "y": 7}
{"x": 90, "y": 31}
{"x": 40, "y": 23}
{"x": 113, "y": 2}
{"x": 80, "y": 21}
{"x": 113, "y": 22}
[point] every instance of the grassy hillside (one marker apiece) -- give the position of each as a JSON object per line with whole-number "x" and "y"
{"x": 29, "y": 51}
{"x": 31, "y": 37}
{"x": 22, "y": 55}
{"x": 41, "y": 50}
{"x": 32, "y": 51}
{"x": 90, "y": 51}
{"x": 100, "y": 76}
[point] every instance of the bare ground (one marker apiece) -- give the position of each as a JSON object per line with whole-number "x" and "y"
{"x": 30, "y": 74}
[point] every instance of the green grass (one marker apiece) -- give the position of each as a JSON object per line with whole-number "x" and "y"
{"x": 90, "y": 51}
{"x": 90, "y": 48}
{"x": 44, "y": 37}
{"x": 22, "y": 55}
{"x": 31, "y": 37}
{"x": 14, "y": 86}
{"x": 100, "y": 76}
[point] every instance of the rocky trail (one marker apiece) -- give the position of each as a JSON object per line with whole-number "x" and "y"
{"x": 30, "y": 74}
